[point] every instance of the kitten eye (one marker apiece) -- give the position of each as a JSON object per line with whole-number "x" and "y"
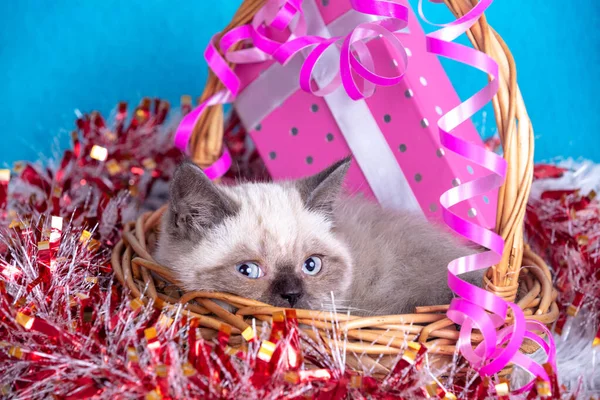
{"x": 312, "y": 265}
{"x": 250, "y": 270}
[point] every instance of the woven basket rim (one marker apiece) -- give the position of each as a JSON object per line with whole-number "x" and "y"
{"x": 136, "y": 269}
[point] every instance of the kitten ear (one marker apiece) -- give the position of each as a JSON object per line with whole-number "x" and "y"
{"x": 320, "y": 191}
{"x": 196, "y": 204}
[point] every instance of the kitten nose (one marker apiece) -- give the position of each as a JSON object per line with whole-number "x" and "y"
{"x": 291, "y": 298}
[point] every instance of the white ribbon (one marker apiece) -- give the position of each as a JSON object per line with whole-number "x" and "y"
{"x": 366, "y": 141}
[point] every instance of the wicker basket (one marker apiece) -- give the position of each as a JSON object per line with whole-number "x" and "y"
{"x": 372, "y": 342}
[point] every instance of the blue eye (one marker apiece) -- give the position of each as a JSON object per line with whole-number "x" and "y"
{"x": 312, "y": 265}
{"x": 250, "y": 270}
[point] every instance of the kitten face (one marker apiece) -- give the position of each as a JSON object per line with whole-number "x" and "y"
{"x": 270, "y": 242}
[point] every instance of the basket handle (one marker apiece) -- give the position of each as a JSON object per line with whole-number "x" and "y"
{"x": 206, "y": 142}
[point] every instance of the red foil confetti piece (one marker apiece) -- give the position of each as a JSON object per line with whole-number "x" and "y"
{"x": 574, "y": 307}
{"x": 4, "y": 178}
{"x": 560, "y": 324}
{"x": 554, "y": 389}
{"x": 545, "y": 171}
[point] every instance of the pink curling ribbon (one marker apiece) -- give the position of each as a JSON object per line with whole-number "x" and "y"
{"x": 186, "y": 126}
{"x": 476, "y": 308}
{"x": 355, "y": 56}
{"x": 287, "y": 16}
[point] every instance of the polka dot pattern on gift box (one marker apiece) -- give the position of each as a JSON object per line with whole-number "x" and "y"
{"x": 463, "y": 174}
{"x": 407, "y": 115}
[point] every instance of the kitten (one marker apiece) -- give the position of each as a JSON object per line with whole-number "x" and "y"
{"x": 295, "y": 243}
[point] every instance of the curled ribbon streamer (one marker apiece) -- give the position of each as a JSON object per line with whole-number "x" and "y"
{"x": 476, "y": 307}
{"x": 288, "y": 14}
{"x": 224, "y": 96}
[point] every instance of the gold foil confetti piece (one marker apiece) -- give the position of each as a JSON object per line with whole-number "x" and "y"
{"x": 410, "y": 354}
{"x": 149, "y": 163}
{"x": 113, "y": 167}
{"x": 162, "y": 371}
{"x": 165, "y": 321}
{"x": 4, "y": 175}
{"x": 188, "y": 369}
{"x": 135, "y": 304}
{"x": 25, "y": 320}
{"x": 150, "y": 333}
{"x": 132, "y": 355}
{"x": 502, "y": 389}
{"x": 248, "y": 334}
{"x": 98, "y": 153}
{"x": 266, "y": 351}
{"x": 153, "y": 395}
{"x": 292, "y": 377}
{"x": 16, "y": 352}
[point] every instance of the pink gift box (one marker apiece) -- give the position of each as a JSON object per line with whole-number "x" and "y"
{"x": 298, "y": 134}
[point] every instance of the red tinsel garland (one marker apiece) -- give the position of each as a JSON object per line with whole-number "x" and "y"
{"x": 564, "y": 225}
{"x": 67, "y": 331}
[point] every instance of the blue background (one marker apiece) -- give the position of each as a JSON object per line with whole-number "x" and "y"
{"x": 58, "y": 56}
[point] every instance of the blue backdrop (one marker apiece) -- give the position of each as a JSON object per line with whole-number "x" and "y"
{"x": 58, "y": 56}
